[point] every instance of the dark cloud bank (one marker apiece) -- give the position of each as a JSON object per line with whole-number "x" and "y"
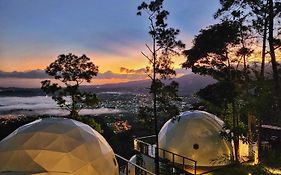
{"x": 40, "y": 74}
{"x": 125, "y": 73}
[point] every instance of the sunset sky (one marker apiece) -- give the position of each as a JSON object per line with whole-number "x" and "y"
{"x": 34, "y": 32}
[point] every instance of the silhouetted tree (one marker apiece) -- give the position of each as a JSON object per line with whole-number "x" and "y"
{"x": 70, "y": 71}
{"x": 163, "y": 47}
{"x": 265, "y": 17}
{"x": 218, "y": 51}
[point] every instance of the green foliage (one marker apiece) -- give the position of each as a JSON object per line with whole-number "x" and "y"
{"x": 262, "y": 101}
{"x": 218, "y": 51}
{"x": 220, "y": 93}
{"x": 263, "y": 16}
{"x": 91, "y": 122}
{"x": 146, "y": 118}
{"x": 166, "y": 95}
{"x": 222, "y": 51}
{"x": 232, "y": 133}
{"x": 71, "y": 71}
{"x": 166, "y": 108}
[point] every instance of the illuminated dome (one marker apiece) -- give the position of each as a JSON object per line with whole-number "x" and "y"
{"x": 196, "y": 135}
{"x": 56, "y": 146}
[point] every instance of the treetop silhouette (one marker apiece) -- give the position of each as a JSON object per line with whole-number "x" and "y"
{"x": 71, "y": 71}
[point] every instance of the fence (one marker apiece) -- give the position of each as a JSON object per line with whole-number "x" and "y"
{"x": 130, "y": 168}
{"x": 180, "y": 163}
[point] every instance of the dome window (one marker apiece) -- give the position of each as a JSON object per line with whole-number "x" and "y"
{"x": 195, "y": 146}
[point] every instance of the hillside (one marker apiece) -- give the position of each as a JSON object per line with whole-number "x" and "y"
{"x": 188, "y": 85}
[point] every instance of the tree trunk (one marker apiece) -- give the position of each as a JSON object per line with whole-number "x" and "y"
{"x": 73, "y": 112}
{"x": 271, "y": 47}
{"x": 156, "y": 131}
{"x": 250, "y": 135}
{"x": 155, "y": 109}
{"x": 235, "y": 134}
{"x": 263, "y": 46}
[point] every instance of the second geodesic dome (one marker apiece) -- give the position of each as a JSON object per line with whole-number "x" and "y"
{"x": 143, "y": 161}
{"x": 196, "y": 135}
{"x": 56, "y": 146}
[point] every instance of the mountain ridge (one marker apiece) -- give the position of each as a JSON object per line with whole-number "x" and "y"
{"x": 188, "y": 84}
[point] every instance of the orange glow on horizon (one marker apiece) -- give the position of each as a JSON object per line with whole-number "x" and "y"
{"x": 111, "y": 81}
{"x": 105, "y": 62}
{"x": 132, "y": 59}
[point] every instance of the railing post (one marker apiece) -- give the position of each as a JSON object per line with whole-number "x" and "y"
{"x": 147, "y": 148}
{"x": 127, "y": 169}
{"x": 195, "y": 164}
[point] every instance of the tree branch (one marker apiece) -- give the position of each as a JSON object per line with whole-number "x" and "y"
{"x": 147, "y": 57}
{"x": 149, "y": 75}
{"x": 149, "y": 48}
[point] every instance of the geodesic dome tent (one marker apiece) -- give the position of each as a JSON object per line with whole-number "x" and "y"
{"x": 196, "y": 135}
{"x": 131, "y": 168}
{"x": 141, "y": 160}
{"x": 56, "y": 146}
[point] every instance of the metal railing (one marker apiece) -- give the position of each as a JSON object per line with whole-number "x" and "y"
{"x": 144, "y": 147}
{"x": 178, "y": 161}
{"x": 125, "y": 170}
{"x": 184, "y": 164}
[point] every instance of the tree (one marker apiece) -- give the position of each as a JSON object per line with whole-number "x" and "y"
{"x": 163, "y": 47}
{"x": 218, "y": 51}
{"x": 264, "y": 17}
{"x": 71, "y": 71}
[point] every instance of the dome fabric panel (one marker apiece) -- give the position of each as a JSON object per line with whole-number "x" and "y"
{"x": 56, "y": 146}
{"x": 196, "y": 135}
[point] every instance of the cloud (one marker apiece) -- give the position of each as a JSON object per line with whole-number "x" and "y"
{"x": 32, "y": 79}
{"x": 125, "y": 73}
{"x": 40, "y": 74}
{"x": 111, "y": 75}
{"x": 41, "y": 105}
{"x": 132, "y": 71}
{"x": 33, "y": 74}
{"x": 179, "y": 71}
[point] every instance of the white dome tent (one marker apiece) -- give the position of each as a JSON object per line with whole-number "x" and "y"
{"x": 131, "y": 168}
{"x": 196, "y": 135}
{"x": 142, "y": 160}
{"x": 56, "y": 146}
